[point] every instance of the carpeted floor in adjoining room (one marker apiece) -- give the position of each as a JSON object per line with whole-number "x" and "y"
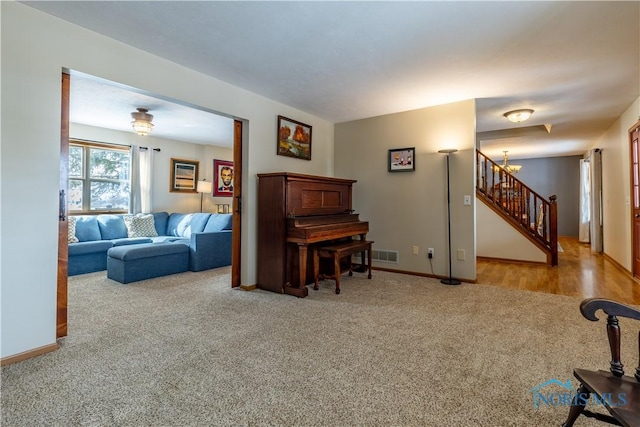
{"x": 397, "y": 350}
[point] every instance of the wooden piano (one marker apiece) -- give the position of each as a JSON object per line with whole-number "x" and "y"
{"x": 296, "y": 211}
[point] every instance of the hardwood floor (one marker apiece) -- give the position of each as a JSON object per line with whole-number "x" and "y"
{"x": 579, "y": 273}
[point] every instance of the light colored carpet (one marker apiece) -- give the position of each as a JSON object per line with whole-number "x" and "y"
{"x": 397, "y": 350}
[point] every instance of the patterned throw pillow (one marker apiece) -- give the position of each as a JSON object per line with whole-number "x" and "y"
{"x": 71, "y": 233}
{"x": 140, "y": 225}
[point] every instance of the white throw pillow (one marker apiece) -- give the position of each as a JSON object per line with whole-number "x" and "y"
{"x": 71, "y": 233}
{"x": 140, "y": 225}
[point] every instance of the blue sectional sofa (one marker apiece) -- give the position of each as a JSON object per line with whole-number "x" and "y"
{"x": 208, "y": 237}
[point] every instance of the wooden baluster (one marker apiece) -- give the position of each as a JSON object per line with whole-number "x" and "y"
{"x": 553, "y": 229}
{"x": 478, "y": 184}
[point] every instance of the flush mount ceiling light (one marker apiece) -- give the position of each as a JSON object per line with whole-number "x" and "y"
{"x": 517, "y": 116}
{"x": 142, "y": 122}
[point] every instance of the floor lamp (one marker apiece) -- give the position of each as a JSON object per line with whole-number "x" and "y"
{"x": 204, "y": 186}
{"x": 450, "y": 280}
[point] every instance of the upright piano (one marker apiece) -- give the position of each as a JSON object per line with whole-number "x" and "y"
{"x": 296, "y": 212}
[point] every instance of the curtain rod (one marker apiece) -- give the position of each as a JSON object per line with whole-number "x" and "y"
{"x": 87, "y": 141}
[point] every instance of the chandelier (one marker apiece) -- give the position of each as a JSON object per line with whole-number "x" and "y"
{"x": 512, "y": 169}
{"x": 142, "y": 121}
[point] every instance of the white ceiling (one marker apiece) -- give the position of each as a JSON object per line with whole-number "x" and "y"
{"x": 98, "y": 102}
{"x": 577, "y": 64}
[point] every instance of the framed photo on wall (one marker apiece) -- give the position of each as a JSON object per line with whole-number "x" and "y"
{"x": 223, "y": 178}
{"x": 184, "y": 176}
{"x": 402, "y": 160}
{"x": 294, "y": 139}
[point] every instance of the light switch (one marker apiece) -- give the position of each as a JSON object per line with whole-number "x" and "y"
{"x": 467, "y": 200}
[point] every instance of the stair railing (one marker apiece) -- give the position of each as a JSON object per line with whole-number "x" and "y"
{"x": 533, "y": 215}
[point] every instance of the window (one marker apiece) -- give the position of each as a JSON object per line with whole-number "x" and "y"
{"x": 98, "y": 177}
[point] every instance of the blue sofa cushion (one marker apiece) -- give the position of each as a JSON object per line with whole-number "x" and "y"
{"x": 160, "y": 220}
{"x": 148, "y": 250}
{"x": 111, "y": 227}
{"x": 182, "y": 225}
{"x": 165, "y": 239}
{"x": 87, "y": 228}
{"x": 84, "y": 248}
{"x": 219, "y": 222}
{"x": 131, "y": 241}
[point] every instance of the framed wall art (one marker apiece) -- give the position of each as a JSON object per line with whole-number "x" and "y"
{"x": 402, "y": 160}
{"x": 294, "y": 139}
{"x": 223, "y": 181}
{"x": 184, "y": 175}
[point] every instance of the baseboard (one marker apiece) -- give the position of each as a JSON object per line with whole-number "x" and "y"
{"x": 510, "y": 261}
{"x": 248, "y": 287}
{"x": 28, "y": 354}
{"x": 414, "y": 273}
{"x": 620, "y": 267}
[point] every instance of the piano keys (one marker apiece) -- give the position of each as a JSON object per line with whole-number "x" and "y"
{"x": 295, "y": 212}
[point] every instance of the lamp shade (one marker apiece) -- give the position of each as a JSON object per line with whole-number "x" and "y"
{"x": 142, "y": 122}
{"x": 204, "y": 186}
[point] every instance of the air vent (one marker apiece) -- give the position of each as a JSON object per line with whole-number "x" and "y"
{"x": 382, "y": 255}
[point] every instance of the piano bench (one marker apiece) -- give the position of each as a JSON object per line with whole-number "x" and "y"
{"x": 338, "y": 251}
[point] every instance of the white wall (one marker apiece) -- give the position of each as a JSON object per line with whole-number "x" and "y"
{"x": 409, "y": 208}
{"x": 511, "y": 245}
{"x": 616, "y": 186}
{"x": 162, "y": 198}
{"x": 36, "y": 47}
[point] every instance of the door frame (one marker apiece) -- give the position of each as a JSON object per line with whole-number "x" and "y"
{"x": 236, "y": 236}
{"x": 63, "y": 248}
{"x": 63, "y": 225}
{"x": 634, "y": 177}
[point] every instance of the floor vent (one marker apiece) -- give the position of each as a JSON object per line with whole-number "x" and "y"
{"x": 382, "y": 255}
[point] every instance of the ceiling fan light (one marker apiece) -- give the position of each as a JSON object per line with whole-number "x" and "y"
{"x": 517, "y": 116}
{"x": 142, "y": 122}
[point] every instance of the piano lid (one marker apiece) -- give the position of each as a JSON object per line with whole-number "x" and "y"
{"x": 310, "y": 221}
{"x": 325, "y": 232}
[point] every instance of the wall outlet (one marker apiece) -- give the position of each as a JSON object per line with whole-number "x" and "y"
{"x": 416, "y": 249}
{"x": 430, "y": 252}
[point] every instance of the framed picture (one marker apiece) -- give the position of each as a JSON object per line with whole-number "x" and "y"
{"x": 223, "y": 178}
{"x": 402, "y": 160}
{"x": 225, "y": 208}
{"x": 184, "y": 175}
{"x": 294, "y": 139}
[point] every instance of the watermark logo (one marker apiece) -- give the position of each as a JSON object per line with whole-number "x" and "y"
{"x": 547, "y": 394}
{"x": 540, "y": 397}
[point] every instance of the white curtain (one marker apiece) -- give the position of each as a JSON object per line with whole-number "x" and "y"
{"x": 141, "y": 173}
{"x": 595, "y": 166}
{"x": 585, "y": 201}
{"x": 146, "y": 174}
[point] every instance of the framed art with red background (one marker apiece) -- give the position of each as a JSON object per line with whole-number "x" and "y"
{"x": 223, "y": 178}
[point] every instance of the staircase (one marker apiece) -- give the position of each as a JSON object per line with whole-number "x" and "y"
{"x": 533, "y": 216}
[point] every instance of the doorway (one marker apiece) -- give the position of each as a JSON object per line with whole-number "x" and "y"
{"x": 177, "y": 109}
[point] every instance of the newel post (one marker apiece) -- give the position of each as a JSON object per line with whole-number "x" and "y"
{"x": 553, "y": 229}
